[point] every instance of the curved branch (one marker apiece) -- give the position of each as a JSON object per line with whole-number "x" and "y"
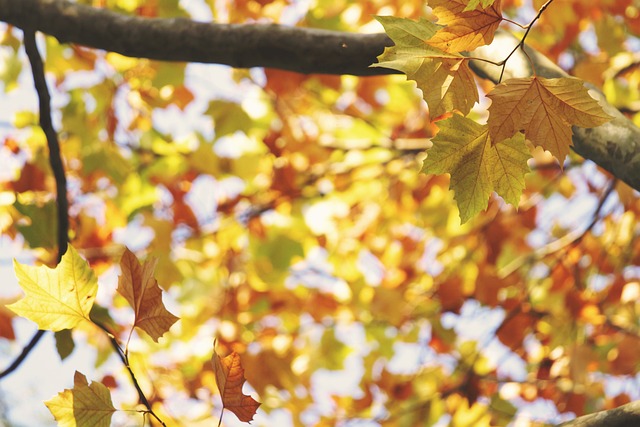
{"x": 179, "y": 39}
{"x": 55, "y": 160}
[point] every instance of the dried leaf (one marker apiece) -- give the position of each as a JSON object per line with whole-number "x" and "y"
{"x": 58, "y": 298}
{"x": 230, "y": 378}
{"x": 464, "y": 29}
{"x": 463, "y": 149}
{"x": 544, "y": 109}
{"x": 138, "y": 286}
{"x": 82, "y": 406}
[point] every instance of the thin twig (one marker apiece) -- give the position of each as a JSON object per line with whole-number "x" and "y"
{"x": 124, "y": 358}
{"x": 571, "y": 238}
{"x": 520, "y": 45}
{"x": 55, "y": 160}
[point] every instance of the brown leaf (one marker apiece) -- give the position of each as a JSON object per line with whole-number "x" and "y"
{"x": 544, "y": 109}
{"x": 230, "y": 378}
{"x": 515, "y": 329}
{"x": 138, "y": 286}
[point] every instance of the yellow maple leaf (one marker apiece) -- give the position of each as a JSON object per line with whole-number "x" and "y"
{"x": 445, "y": 79}
{"x": 464, "y": 29}
{"x": 57, "y": 298}
{"x": 230, "y": 378}
{"x": 544, "y": 109}
{"x": 463, "y": 149}
{"x": 138, "y": 286}
{"x": 82, "y": 406}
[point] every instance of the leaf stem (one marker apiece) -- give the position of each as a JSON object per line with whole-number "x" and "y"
{"x": 124, "y": 358}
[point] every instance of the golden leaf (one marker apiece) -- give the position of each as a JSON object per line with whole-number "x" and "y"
{"x": 464, "y": 29}
{"x": 445, "y": 79}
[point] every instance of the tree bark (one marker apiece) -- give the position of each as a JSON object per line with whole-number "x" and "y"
{"x": 614, "y": 146}
{"x": 624, "y": 416}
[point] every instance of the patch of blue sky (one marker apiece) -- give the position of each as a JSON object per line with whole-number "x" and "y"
{"x": 346, "y": 383}
{"x": 203, "y": 197}
{"x": 538, "y": 410}
{"x": 475, "y": 322}
{"x": 614, "y": 386}
{"x": 371, "y": 268}
{"x": 429, "y": 260}
{"x": 316, "y": 272}
{"x": 135, "y": 235}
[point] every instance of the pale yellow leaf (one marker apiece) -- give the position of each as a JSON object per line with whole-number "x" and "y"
{"x": 58, "y": 298}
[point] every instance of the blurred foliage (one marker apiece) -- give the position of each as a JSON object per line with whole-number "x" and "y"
{"x": 291, "y": 222}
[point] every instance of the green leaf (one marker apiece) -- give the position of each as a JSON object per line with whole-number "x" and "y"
{"x": 64, "y": 343}
{"x": 82, "y": 406}
{"x": 58, "y": 298}
{"x": 463, "y": 149}
{"x": 228, "y": 117}
{"x": 42, "y": 226}
{"x": 430, "y": 67}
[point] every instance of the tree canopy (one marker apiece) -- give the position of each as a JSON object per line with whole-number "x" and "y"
{"x": 324, "y": 213}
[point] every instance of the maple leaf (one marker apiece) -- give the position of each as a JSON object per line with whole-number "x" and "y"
{"x": 138, "y": 286}
{"x": 544, "y": 109}
{"x": 230, "y": 378}
{"x": 82, "y": 406}
{"x": 465, "y": 29}
{"x": 57, "y": 298}
{"x": 445, "y": 79}
{"x": 472, "y": 4}
{"x": 463, "y": 149}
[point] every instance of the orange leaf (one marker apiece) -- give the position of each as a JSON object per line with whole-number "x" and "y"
{"x": 138, "y": 286}
{"x": 464, "y": 29}
{"x": 230, "y": 378}
{"x": 544, "y": 109}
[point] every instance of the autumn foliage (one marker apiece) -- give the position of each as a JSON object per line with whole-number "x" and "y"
{"x": 319, "y": 250}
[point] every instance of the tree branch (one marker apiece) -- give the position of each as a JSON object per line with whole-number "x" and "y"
{"x": 179, "y": 39}
{"x": 55, "y": 160}
{"x": 623, "y": 416}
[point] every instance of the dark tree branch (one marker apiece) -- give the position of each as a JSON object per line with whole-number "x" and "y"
{"x": 55, "y": 157}
{"x": 179, "y": 39}
{"x": 55, "y": 160}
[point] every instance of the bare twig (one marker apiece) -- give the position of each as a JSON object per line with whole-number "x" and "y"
{"x": 55, "y": 160}
{"x": 572, "y": 238}
{"x": 520, "y": 45}
{"x": 124, "y": 358}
